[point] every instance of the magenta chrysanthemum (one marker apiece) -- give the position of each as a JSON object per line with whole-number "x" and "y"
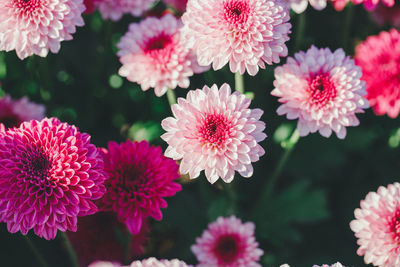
{"x": 377, "y": 227}
{"x": 228, "y": 243}
{"x": 368, "y": 4}
{"x": 153, "y": 54}
{"x": 383, "y": 83}
{"x": 153, "y": 262}
{"x": 37, "y": 26}
{"x": 115, "y": 9}
{"x": 245, "y": 33}
{"x": 215, "y": 131}
{"x": 338, "y": 264}
{"x": 140, "y": 178}
{"x": 49, "y": 175}
{"x": 322, "y": 90}
{"x": 15, "y": 111}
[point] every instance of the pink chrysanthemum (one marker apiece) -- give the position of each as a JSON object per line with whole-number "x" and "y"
{"x": 215, "y": 131}
{"x": 299, "y": 6}
{"x": 153, "y": 262}
{"x": 49, "y": 175}
{"x": 245, "y": 33}
{"x": 15, "y": 111}
{"x": 179, "y": 5}
{"x": 37, "y": 26}
{"x": 115, "y": 9}
{"x": 154, "y": 54}
{"x": 383, "y": 83}
{"x": 140, "y": 178}
{"x": 2, "y": 128}
{"x": 228, "y": 243}
{"x": 368, "y": 4}
{"x": 105, "y": 264}
{"x": 377, "y": 227}
{"x": 322, "y": 90}
{"x": 387, "y": 15}
{"x": 338, "y": 264}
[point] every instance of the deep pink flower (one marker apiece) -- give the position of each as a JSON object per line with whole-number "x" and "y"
{"x": 215, "y": 131}
{"x": 96, "y": 238}
{"x": 153, "y": 262}
{"x": 15, "y": 111}
{"x": 322, "y": 90}
{"x": 245, "y": 33}
{"x": 49, "y": 175}
{"x": 154, "y": 54}
{"x": 2, "y": 128}
{"x": 115, "y": 9}
{"x": 140, "y": 178}
{"x": 387, "y": 15}
{"x": 37, "y": 26}
{"x": 228, "y": 243}
{"x": 179, "y": 5}
{"x": 377, "y": 227}
{"x": 338, "y": 264}
{"x": 368, "y": 4}
{"x": 383, "y": 82}
{"x": 90, "y": 5}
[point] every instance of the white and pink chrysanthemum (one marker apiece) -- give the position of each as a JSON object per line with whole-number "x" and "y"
{"x": 15, "y": 111}
{"x": 338, "y": 264}
{"x": 228, "y": 243}
{"x": 245, "y": 33}
{"x": 50, "y": 174}
{"x": 115, "y": 9}
{"x": 105, "y": 264}
{"x": 322, "y": 90}
{"x": 215, "y": 131}
{"x": 37, "y": 26}
{"x": 377, "y": 227}
{"x": 299, "y": 6}
{"x": 153, "y": 262}
{"x": 154, "y": 54}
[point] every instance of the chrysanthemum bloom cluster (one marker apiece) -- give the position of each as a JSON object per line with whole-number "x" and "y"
{"x": 115, "y": 9}
{"x": 37, "y": 26}
{"x": 299, "y": 6}
{"x": 96, "y": 239}
{"x": 245, "y": 33}
{"x": 322, "y": 90}
{"x": 383, "y": 82}
{"x": 368, "y": 4}
{"x": 15, "y": 111}
{"x": 139, "y": 178}
{"x": 49, "y": 175}
{"x": 179, "y": 5}
{"x": 228, "y": 243}
{"x": 387, "y": 15}
{"x": 215, "y": 131}
{"x": 153, "y": 54}
{"x": 150, "y": 262}
{"x": 377, "y": 227}
{"x": 338, "y": 264}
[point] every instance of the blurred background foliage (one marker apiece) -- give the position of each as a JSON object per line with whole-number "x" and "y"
{"x": 306, "y": 219}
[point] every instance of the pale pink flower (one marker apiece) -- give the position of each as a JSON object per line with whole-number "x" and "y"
{"x": 115, "y": 9}
{"x": 338, "y": 264}
{"x": 153, "y": 54}
{"x": 15, "y": 111}
{"x": 245, "y": 33}
{"x": 104, "y": 264}
{"x": 299, "y": 6}
{"x": 377, "y": 227}
{"x": 322, "y": 90}
{"x": 37, "y": 26}
{"x": 215, "y": 131}
{"x": 153, "y": 262}
{"x": 228, "y": 243}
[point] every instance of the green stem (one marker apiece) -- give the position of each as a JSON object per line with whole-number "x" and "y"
{"x": 239, "y": 82}
{"x": 171, "y": 97}
{"x": 300, "y": 31}
{"x": 39, "y": 257}
{"x": 347, "y": 26}
{"x": 268, "y": 189}
{"x": 71, "y": 252}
